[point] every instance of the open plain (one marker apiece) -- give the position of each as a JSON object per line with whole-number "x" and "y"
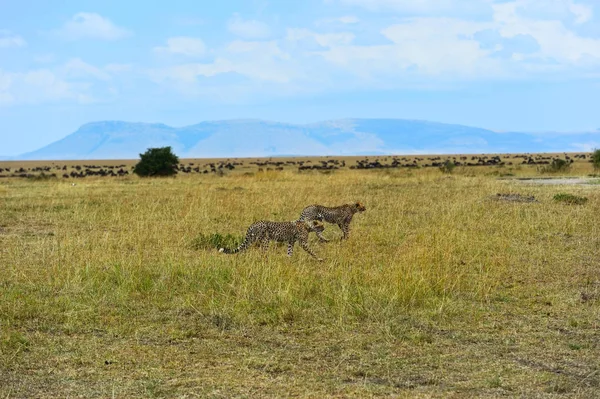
{"x": 111, "y": 285}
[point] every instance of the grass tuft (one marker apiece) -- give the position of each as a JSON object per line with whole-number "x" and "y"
{"x": 215, "y": 240}
{"x": 569, "y": 199}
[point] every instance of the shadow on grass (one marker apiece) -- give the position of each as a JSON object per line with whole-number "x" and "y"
{"x": 215, "y": 240}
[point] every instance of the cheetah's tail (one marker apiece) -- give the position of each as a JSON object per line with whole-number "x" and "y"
{"x": 242, "y": 247}
{"x": 228, "y": 251}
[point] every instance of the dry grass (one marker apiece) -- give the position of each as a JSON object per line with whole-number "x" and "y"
{"x": 441, "y": 290}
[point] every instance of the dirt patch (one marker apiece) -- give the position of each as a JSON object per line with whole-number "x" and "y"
{"x": 567, "y": 180}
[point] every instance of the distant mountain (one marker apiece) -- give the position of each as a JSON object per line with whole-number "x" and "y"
{"x": 256, "y": 138}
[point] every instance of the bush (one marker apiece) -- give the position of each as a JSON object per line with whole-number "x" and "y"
{"x": 570, "y": 199}
{"x": 557, "y": 165}
{"x": 157, "y": 162}
{"x": 447, "y": 167}
{"x": 596, "y": 159}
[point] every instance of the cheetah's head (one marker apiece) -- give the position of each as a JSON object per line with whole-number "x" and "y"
{"x": 315, "y": 226}
{"x": 359, "y": 206}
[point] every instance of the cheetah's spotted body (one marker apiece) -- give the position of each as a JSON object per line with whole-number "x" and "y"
{"x": 288, "y": 232}
{"x": 340, "y": 215}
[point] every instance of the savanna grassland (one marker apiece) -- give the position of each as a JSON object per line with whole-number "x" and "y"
{"x": 113, "y": 287}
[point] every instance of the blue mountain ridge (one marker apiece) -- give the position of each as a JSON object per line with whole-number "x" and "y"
{"x": 258, "y": 138}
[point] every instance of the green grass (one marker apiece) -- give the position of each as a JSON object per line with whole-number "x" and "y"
{"x": 114, "y": 287}
{"x": 570, "y": 199}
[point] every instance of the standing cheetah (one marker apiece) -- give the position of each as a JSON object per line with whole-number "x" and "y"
{"x": 340, "y": 215}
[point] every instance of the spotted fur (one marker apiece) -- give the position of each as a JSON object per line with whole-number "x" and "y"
{"x": 288, "y": 232}
{"x": 340, "y": 215}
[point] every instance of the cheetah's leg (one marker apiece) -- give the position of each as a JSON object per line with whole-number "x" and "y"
{"x": 290, "y": 249}
{"x": 305, "y": 247}
{"x": 264, "y": 244}
{"x": 321, "y": 238}
{"x": 345, "y": 230}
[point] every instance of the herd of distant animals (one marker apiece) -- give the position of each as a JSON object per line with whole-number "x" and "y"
{"x": 311, "y": 220}
{"x": 381, "y": 162}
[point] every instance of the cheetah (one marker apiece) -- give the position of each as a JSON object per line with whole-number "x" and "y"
{"x": 340, "y": 215}
{"x": 290, "y": 232}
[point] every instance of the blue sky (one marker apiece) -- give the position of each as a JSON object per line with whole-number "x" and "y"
{"x": 526, "y": 65}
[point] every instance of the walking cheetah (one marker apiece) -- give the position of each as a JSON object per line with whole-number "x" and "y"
{"x": 290, "y": 232}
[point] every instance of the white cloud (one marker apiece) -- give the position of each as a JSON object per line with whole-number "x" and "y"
{"x": 263, "y": 61}
{"x": 439, "y": 45}
{"x": 511, "y": 44}
{"x": 433, "y": 29}
{"x": 48, "y": 82}
{"x": 323, "y": 39}
{"x": 258, "y": 49}
{"x": 248, "y": 29}
{"x": 188, "y": 46}
{"x": 429, "y": 52}
{"x": 419, "y": 46}
{"x": 5, "y": 81}
{"x": 44, "y": 58}
{"x": 39, "y": 86}
{"x": 118, "y": 68}
{"x": 556, "y": 41}
{"x": 189, "y": 21}
{"x": 420, "y": 7}
{"x": 553, "y": 10}
{"x": 76, "y": 68}
{"x": 585, "y": 147}
{"x": 5, "y": 85}
{"x": 399, "y": 5}
{"x": 8, "y": 39}
{"x": 581, "y": 12}
{"x": 85, "y": 25}
{"x": 188, "y": 73}
{"x": 536, "y": 9}
{"x": 349, "y": 19}
{"x": 345, "y": 20}
{"x": 74, "y": 81}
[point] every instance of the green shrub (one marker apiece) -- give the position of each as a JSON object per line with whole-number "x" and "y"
{"x": 216, "y": 240}
{"x": 557, "y": 165}
{"x": 447, "y": 167}
{"x": 570, "y": 199}
{"x": 157, "y": 162}
{"x": 596, "y": 159}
